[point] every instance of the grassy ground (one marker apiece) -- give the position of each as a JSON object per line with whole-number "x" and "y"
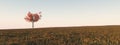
{"x": 92, "y": 35}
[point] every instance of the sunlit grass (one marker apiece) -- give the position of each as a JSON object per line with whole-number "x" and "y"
{"x": 109, "y": 35}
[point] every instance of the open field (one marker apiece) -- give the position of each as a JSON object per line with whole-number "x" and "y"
{"x": 90, "y": 35}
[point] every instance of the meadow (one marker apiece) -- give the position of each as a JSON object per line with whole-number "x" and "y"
{"x": 86, "y": 35}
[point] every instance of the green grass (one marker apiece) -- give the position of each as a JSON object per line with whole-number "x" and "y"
{"x": 91, "y": 35}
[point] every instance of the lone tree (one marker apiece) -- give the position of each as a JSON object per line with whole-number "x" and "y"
{"x": 33, "y": 17}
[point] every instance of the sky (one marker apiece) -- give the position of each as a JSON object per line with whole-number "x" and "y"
{"x": 59, "y": 13}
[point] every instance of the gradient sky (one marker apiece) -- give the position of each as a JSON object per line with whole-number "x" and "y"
{"x": 57, "y": 13}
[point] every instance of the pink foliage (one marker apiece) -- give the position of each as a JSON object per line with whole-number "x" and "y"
{"x": 32, "y": 17}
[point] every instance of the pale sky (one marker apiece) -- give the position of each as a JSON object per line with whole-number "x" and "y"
{"x": 59, "y": 13}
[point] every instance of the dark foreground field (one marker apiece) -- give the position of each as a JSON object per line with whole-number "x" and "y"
{"x": 92, "y": 35}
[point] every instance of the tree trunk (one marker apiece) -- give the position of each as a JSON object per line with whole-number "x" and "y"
{"x": 32, "y": 24}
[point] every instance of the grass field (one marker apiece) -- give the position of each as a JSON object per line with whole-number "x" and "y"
{"x": 89, "y": 35}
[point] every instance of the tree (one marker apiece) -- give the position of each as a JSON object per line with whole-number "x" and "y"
{"x": 33, "y": 17}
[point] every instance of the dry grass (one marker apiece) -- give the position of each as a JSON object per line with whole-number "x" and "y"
{"x": 94, "y": 35}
